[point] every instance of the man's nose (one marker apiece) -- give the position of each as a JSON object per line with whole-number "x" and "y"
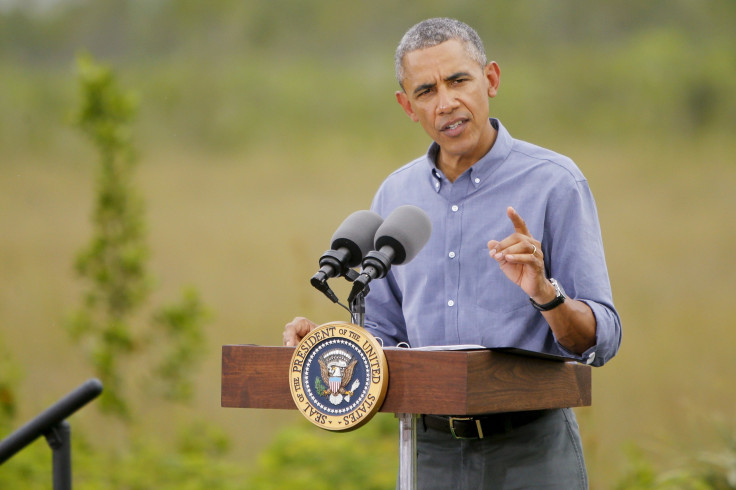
{"x": 446, "y": 101}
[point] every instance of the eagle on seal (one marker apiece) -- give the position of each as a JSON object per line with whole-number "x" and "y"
{"x": 336, "y": 376}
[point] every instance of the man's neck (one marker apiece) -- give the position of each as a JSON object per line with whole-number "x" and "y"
{"x": 452, "y": 169}
{"x": 453, "y": 166}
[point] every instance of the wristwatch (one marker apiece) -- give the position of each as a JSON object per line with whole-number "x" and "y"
{"x": 557, "y": 301}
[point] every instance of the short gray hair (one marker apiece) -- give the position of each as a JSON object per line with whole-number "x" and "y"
{"x": 432, "y": 32}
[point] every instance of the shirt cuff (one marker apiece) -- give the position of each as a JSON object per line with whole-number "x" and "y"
{"x": 586, "y": 357}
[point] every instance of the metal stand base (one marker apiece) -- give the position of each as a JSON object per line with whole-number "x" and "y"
{"x": 407, "y": 451}
{"x": 59, "y": 440}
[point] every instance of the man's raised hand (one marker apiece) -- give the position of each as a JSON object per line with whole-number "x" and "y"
{"x": 520, "y": 257}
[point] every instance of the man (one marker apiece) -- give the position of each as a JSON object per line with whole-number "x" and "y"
{"x": 544, "y": 288}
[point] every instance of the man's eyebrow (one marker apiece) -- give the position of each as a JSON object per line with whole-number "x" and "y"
{"x": 423, "y": 87}
{"x": 455, "y": 76}
{"x": 451, "y": 78}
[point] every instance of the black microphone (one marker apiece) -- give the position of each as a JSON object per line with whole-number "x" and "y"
{"x": 398, "y": 240}
{"x": 351, "y": 241}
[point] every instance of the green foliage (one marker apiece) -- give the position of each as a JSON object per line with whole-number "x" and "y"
{"x": 304, "y": 456}
{"x": 319, "y": 386}
{"x": 193, "y": 462}
{"x": 113, "y": 265}
{"x": 30, "y": 469}
{"x": 105, "y": 115}
{"x": 179, "y": 327}
{"x": 705, "y": 471}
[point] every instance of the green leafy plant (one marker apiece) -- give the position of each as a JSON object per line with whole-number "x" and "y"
{"x": 113, "y": 265}
{"x": 304, "y": 456}
{"x": 319, "y": 386}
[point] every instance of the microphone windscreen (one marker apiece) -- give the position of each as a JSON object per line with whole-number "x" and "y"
{"x": 406, "y": 230}
{"x": 356, "y": 234}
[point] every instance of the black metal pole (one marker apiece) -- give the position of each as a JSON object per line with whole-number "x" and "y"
{"x": 49, "y": 418}
{"x": 60, "y": 441}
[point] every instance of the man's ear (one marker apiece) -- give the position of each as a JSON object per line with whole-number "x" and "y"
{"x": 405, "y": 104}
{"x": 492, "y": 73}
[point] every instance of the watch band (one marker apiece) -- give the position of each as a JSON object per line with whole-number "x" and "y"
{"x": 557, "y": 301}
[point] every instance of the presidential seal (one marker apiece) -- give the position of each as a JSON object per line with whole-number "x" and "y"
{"x": 338, "y": 376}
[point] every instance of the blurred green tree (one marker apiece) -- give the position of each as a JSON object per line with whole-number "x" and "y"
{"x": 113, "y": 265}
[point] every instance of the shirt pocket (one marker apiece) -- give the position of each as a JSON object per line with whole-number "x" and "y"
{"x": 496, "y": 293}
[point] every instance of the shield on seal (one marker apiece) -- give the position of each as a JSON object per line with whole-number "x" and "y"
{"x": 336, "y": 369}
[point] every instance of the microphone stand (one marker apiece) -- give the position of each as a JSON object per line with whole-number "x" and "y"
{"x": 357, "y": 304}
{"x": 407, "y": 421}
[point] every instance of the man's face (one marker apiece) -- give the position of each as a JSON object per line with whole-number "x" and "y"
{"x": 447, "y": 92}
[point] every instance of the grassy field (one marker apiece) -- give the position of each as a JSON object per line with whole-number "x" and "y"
{"x": 262, "y": 125}
{"x": 247, "y": 230}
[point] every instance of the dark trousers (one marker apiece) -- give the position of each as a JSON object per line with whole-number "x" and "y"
{"x": 546, "y": 453}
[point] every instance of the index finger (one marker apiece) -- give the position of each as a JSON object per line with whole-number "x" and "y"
{"x": 517, "y": 221}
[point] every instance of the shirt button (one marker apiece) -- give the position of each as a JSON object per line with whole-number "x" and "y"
{"x": 451, "y": 303}
{"x": 451, "y": 255}
{"x": 477, "y": 180}
{"x": 454, "y": 208}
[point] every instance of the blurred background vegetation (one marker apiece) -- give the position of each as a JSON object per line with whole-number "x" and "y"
{"x": 262, "y": 124}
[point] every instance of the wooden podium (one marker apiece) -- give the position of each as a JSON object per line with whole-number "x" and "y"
{"x": 437, "y": 382}
{"x": 445, "y": 382}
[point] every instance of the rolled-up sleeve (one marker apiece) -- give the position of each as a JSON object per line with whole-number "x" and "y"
{"x": 574, "y": 247}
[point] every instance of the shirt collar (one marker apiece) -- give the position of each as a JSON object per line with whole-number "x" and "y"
{"x": 481, "y": 170}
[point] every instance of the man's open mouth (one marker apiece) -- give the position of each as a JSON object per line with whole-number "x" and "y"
{"x": 450, "y": 128}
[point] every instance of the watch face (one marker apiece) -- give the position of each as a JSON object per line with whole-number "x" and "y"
{"x": 560, "y": 291}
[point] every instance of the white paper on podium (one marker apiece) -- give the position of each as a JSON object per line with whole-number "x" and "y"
{"x": 508, "y": 350}
{"x": 451, "y": 347}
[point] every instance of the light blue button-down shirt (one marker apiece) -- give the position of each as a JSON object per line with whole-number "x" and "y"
{"x": 453, "y": 292}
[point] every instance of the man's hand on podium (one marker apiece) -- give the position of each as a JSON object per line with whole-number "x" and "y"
{"x": 295, "y": 330}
